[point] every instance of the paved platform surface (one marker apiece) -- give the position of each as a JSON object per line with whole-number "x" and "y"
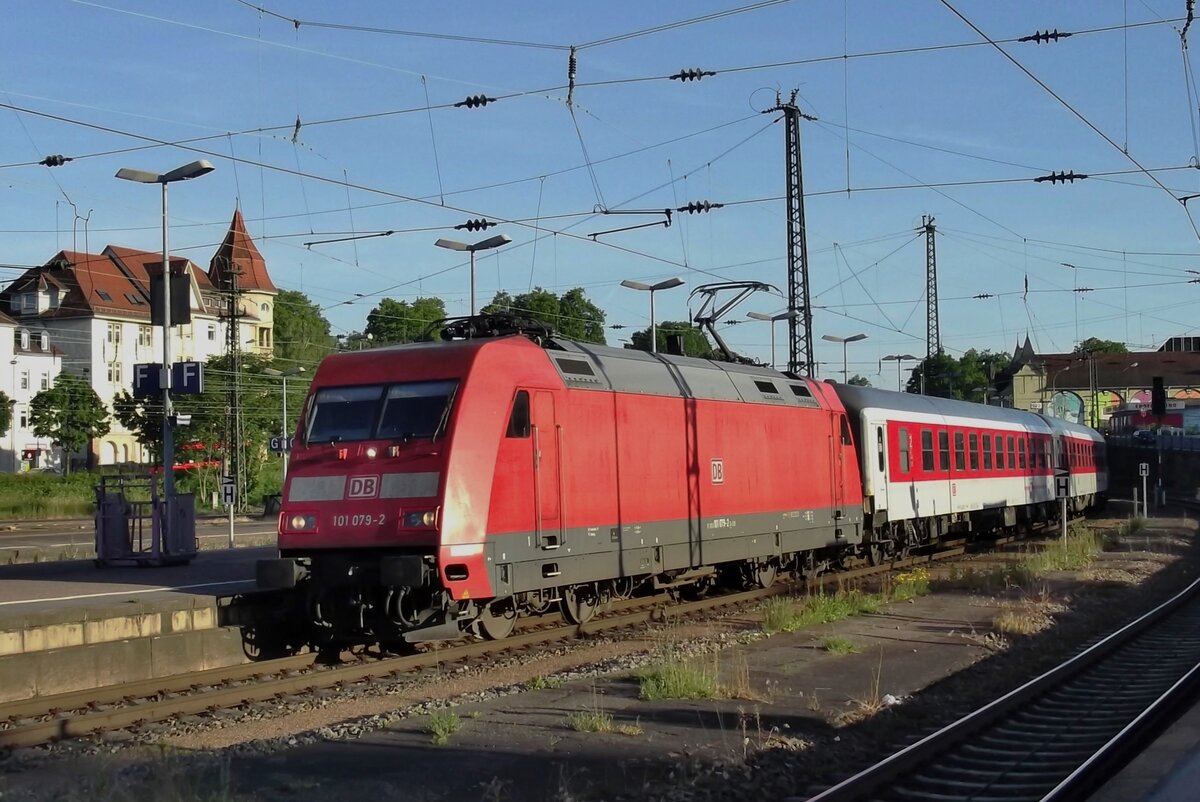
{"x": 69, "y": 625}
{"x": 1167, "y": 771}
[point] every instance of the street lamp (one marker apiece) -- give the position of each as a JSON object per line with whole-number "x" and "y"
{"x": 773, "y": 319}
{"x": 665, "y": 284}
{"x": 853, "y": 338}
{"x": 482, "y": 245}
{"x": 186, "y": 172}
{"x": 898, "y": 358}
{"x": 284, "y": 374}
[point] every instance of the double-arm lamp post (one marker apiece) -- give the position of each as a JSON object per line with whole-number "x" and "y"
{"x": 853, "y": 338}
{"x": 471, "y": 248}
{"x": 186, "y": 172}
{"x": 898, "y": 358}
{"x": 665, "y": 284}
{"x": 773, "y": 319}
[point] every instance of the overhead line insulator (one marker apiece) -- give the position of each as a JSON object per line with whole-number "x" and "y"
{"x": 697, "y": 207}
{"x": 983, "y": 296}
{"x": 1045, "y": 36}
{"x": 55, "y": 160}
{"x": 1060, "y": 177}
{"x": 694, "y": 74}
{"x": 474, "y": 102}
{"x": 476, "y": 225}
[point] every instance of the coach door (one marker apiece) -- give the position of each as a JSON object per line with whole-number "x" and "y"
{"x": 547, "y": 472}
{"x": 880, "y": 484}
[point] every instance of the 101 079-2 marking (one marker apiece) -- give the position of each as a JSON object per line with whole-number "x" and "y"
{"x": 363, "y": 519}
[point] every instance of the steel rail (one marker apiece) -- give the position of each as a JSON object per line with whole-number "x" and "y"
{"x": 81, "y": 713}
{"x": 1062, "y": 733}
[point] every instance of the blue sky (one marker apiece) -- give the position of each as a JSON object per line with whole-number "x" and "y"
{"x": 938, "y": 115}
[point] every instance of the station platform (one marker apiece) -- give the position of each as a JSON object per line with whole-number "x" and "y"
{"x": 69, "y": 625}
{"x": 1168, "y": 770}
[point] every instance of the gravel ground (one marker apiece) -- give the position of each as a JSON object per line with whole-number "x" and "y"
{"x": 800, "y": 717}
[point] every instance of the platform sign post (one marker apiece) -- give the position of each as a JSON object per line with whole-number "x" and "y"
{"x": 1062, "y": 489}
{"x": 229, "y": 498}
{"x": 1144, "y": 472}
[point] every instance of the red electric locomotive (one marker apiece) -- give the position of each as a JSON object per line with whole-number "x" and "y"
{"x": 451, "y": 486}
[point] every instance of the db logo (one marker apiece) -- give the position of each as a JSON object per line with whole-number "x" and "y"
{"x": 718, "y": 472}
{"x": 363, "y": 487}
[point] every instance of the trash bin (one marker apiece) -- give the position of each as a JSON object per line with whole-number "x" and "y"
{"x": 272, "y": 503}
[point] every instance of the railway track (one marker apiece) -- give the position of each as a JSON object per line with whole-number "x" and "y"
{"x": 43, "y": 720}
{"x": 1061, "y": 735}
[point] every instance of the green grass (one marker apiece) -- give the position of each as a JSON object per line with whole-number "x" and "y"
{"x": 1077, "y": 551}
{"x": 676, "y": 678}
{"x": 442, "y": 724}
{"x": 541, "y": 683}
{"x": 839, "y": 645}
{"x": 43, "y": 495}
{"x": 789, "y": 615}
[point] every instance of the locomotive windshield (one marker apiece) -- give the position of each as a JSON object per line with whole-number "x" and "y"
{"x": 380, "y": 412}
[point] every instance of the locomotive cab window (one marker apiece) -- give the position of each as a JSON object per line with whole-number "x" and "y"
{"x": 344, "y": 413}
{"x": 845, "y": 426}
{"x": 396, "y": 412}
{"x": 518, "y": 421}
{"x": 415, "y": 409}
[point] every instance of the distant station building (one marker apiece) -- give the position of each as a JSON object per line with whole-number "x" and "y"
{"x": 1111, "y": 391}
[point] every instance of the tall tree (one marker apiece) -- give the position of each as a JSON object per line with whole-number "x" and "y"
{"x": 968, "y": 378}
{"x": 69, "y": 414}
{"x": 393, "y": 321}
{"x": 695, "y": 341}
{"x": 1095, "y": 345}
{"x": 572, "y": 314}
{"x": 302, "y": 335}
{"x": 859, "y": 381}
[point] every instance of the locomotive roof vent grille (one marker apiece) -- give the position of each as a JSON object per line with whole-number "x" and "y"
{"x": 765, "y": 387}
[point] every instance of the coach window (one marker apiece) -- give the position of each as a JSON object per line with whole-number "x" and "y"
{"x": 960, "y": 458}
{"x": 987, "y": 452}
{"x": 944, "y": 450}
{"x": 904, "y": 463}
{"x": 999, "y": 452}
{"x": 1012, "y": 453}
{"x": 518, "y": 422}
{"x": 973, "y": 442}
{"x": 926, "y": 450}
{"x": 1021, "y": 452}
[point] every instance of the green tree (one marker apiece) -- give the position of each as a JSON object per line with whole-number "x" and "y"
{"x": 301, "y": 332}
{"x": 6, "y": 414}
{"x": 695, "y": 341}
{"x": 69, "y": 414}
{"x": 968, "y": 378}
{"x": 859, "y": 381}
{"x": 393, "y": 321}
{"x": 1095, "y": 345}
{"x": 572, "y": 314}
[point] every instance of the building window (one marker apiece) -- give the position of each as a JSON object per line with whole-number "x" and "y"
{"x": 265, "y": 308}
{"x": 28, "y": 303}
{"x": 114, "y": 373}
{"x": 145, "y": 336}
{"x": 45, "y": 383}
{"x": 24, "y": 419}
{"x": 24, "y": 380}
{"x": 104, "y": 296}
{"x": 44, "y": 341}
{"x": 114, "y": 335}
{"x": 264, "y": 337}
{"x": 24, "y": 339}
{"x": 212, "y": 332}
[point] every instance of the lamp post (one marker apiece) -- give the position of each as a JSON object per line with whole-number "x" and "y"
{"x": 898, "y": 358}
{"x": 186, "y": 172}
{"x": 853, "y": 338}
{"x": 665, "y": 284}
{"x": 283, "y": 426}
{"x": 773, "y": 319}
{"x": 471, "y": 248}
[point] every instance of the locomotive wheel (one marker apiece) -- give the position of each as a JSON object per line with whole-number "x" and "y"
{"x": 498, "y": 620}
{"x": 578, "y": 606}
{"x": 874, "y": 552}
{"x": 765, "y": 574}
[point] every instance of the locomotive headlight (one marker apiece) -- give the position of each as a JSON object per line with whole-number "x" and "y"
{"x": 371, "y": 452}
{"x": 422, "y": 518}
{"x": 302, "y": 523}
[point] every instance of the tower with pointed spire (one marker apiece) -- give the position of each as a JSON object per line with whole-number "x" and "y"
{"x": 238, "y": 265}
